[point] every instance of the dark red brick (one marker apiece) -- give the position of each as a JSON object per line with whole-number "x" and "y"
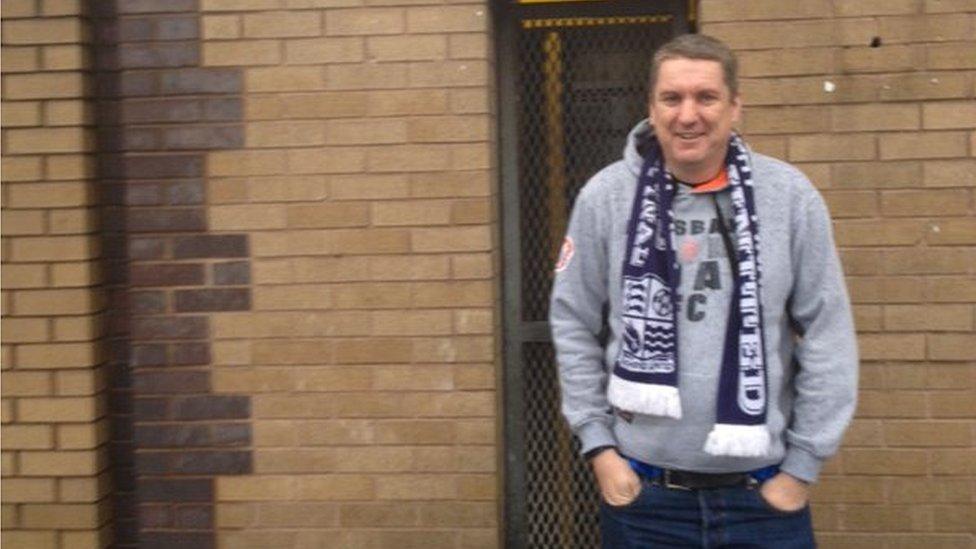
{"x": 113, "y": 224}
{"x": 189, "y": 354}
{"x": 235, "y": 299}
{"x": 175, "y": 489}
{"x": 232, "y": 273}
{"x": 185, "y": 193}
{"x": 167, "y": 220}
{"x": 147, "y": 303}
{"x": 146, "y": 248}
{"x": 132, "y": 139}
{"x": 120, "y": 400}
{"x": 155, "y": 28}
{"x": 106, "y": 10}
{"x": 125, "y": 527}
{"x": 143, "y": 194}
{"x": 232, "y": 434}
{"x": 173, "y": 436}
{"x": 130, "y": 29}
{"x": 154, "y": 382}
{"x": 122, "y": 478}
{"x": 202, "y": 462}
{"x": 158, "y": 55}
{"x": 232, "y": 245}
{"x": 166, "y": 274}
{"x": 210, "y": 407}
{"x": 202, "y": 137}
{"x": 131, "y": 85}
{"x": 223, "y": 109}
{"x": 200, "y": 80}
{"x": 179, "y": 539}
{"x": 193, "y": 517}
{"x": 155, "y": 6}
{"x": 177, "y": 28}
{"x": 159, "y": 166}
{"x": 153, "y": 354}
{"x": 143, "y": 111}
{"x": 150, "y": 409}
{"x": 192, "y": 435}
{"x": 155, "y": 516}
{"x": 111, "y": 194}
{"x": 110, "y": 139}
{"x": 216, "y": 462}
{"x": 118, "y": 349}
{"x": 122, "y": 430}
{"x": 106, "y": 62}
{"x": 182, "y": 327}
{"x": 107, "y": 111}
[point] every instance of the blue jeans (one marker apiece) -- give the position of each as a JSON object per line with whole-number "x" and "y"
{"x": 723, "y": 517}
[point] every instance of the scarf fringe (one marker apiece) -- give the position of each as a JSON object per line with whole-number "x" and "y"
{"x": 738, "y": 440}
{"x": 643, "y": 398}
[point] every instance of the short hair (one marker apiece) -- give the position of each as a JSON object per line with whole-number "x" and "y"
{"x": 697, "y": 46}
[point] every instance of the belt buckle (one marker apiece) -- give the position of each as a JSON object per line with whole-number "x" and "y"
{"x": 670, "y": 485}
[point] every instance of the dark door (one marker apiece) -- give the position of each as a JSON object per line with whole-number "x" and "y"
{"x": 572, "y": 82}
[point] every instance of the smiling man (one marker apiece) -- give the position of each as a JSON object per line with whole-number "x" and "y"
{"x": 730, "y": 368}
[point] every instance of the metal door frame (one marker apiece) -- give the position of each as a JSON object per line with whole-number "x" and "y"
{"x": 507, "y": 16}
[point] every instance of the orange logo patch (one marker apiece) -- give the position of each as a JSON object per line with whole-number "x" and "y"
{"x": 565, "y": 254}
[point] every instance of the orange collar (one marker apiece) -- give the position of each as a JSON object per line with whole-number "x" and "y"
{"x": 716, "y": 183}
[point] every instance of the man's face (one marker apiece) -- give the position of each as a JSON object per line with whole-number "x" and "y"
{"x": 692, "y": 111}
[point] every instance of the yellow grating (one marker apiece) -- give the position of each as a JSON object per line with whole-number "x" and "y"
{"x": 595, "y": 21}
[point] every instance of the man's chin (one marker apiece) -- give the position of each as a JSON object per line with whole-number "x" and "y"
{"x": 688, "y": 160}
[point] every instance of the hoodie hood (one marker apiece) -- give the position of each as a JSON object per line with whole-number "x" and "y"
{"x": 639, "y": 140}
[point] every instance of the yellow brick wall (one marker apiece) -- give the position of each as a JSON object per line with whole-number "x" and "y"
{"x": 55, "y": 481}
{"x": 893, "y": 149}
{"x": 367, "y": 189}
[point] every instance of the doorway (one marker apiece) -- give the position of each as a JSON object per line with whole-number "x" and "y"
{"x": 572, "y": 83}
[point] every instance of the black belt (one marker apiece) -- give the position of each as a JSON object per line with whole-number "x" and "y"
{"x": 689, "y": 480}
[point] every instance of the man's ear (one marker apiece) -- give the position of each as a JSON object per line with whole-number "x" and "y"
{"x": 737, "y": 108}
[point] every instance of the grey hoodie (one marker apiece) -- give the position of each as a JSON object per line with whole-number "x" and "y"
{"x": 811, "y": 352}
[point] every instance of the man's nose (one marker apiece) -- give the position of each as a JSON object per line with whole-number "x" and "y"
{"x": 687, "y": 112}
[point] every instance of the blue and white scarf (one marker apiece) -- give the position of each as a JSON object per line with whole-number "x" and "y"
{"x": 645, "y": 375}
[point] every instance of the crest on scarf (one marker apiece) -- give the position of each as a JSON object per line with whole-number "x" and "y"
{"x": 648, "y": 338}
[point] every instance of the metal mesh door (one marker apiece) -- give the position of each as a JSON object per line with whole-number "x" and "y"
{"x": 573, "y": 84}
{"x": 583, "y": 84}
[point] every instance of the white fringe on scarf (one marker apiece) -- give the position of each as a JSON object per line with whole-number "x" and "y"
{"x": 738, "y": 440}
{"x": 644, "y": 398}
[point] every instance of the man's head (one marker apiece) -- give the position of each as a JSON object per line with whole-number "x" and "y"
{"x": 693, "y": 104}
{"x": 698, "y": 46}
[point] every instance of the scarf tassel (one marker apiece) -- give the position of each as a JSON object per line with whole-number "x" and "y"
{"x": 651, "y": 399}
{"x": 738, "y": 440}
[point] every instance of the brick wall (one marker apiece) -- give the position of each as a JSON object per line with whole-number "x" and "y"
{"x": 365, "y": 185}
{"x": 297, "y": 202}
{"x": 159, "y": 114}
{"x": 892, "y": 148}
{"x": 55, "y": 428}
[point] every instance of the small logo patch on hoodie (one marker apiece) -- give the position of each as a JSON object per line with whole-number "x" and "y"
{"x": 565, "y": 254}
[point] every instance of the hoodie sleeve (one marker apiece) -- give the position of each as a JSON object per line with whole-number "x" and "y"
{"x": 826, "y": 352}
{"x": 579, "y": 295}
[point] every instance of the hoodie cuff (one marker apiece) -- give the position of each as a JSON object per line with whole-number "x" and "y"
{"x": 801, "y": 464}
{"x": 594, "y": 434}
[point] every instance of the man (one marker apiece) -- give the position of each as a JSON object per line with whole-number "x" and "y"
{"x": 730, "y": 368}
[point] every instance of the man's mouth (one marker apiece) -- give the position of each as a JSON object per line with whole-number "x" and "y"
{"x": 689, "y": 136}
